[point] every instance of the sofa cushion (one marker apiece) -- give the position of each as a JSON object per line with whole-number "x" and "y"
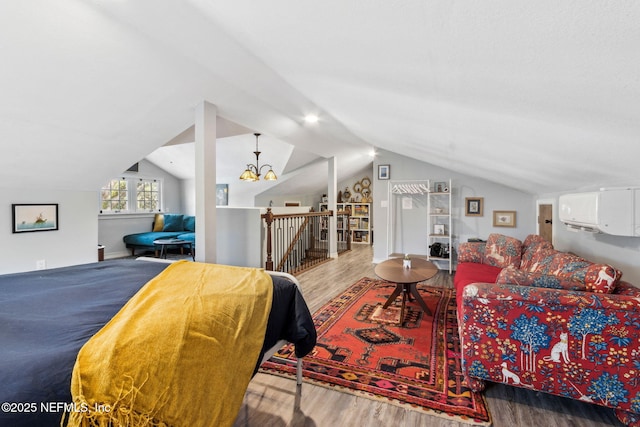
{"x": 189, "y": 237}
{"x": 601, "y": 278}
{"x": 515, "y": 276}
{"x": 535, "y": 241}
{"x": 502, "y": 251}
{"x": 557, "y": 263}
{"x": 471, "y": 252}
{"x": 189, "y": 223}
{"x": 536, "y": 258}
{"x": 626, "y": 288}
{"x": 158, "y": 222}
{"x": 173, "y": 222}
{"x": 146, "y": 239}
{"x": 532, "y": 247}
{"x": 471, "y": 272}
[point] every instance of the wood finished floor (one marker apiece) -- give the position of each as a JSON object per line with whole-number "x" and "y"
{"x": 275, "y": 401}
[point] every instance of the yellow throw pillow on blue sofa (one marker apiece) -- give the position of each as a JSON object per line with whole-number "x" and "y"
{"x": 158, "y": 222}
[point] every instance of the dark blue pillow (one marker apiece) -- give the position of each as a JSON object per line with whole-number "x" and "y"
{"x": 173, "y": 222}
{"x": 189, "y": 223}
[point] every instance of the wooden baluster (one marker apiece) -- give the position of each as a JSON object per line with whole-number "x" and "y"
{"x": 348, "y": 230}
{"x": 268, "y": 217}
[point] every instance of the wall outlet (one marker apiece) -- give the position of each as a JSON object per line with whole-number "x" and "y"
{"x": 41, "y": 264}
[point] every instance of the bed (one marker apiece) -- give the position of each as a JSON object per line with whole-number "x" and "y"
{"x": 47, "y": 316}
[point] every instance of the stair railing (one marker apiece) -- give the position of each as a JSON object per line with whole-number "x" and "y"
{"x": 297, "y": 241}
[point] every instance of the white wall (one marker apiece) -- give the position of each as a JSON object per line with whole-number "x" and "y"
{"x": 75, "y": 242}
{"x": 496, "y": 197}
{"x": 239, "y": 233}
{"x": 349, "y": 182}
{"x": 188, "y": 196}
{"x": 312, "y": 199}
{"x": 172, "y": 186}
{"x": 243, "y": 194}
{"x": 279, "y": 201}
{"x": 112, "y": 228}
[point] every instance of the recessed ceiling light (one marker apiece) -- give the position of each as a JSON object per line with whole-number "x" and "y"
{"x": 311, "y": 118}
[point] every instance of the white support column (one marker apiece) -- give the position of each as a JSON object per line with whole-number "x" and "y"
{"x": 205, "y": 152}
{"x": 332, "y": 196}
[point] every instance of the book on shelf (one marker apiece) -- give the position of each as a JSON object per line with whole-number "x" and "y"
{"x": 361, "y": 210}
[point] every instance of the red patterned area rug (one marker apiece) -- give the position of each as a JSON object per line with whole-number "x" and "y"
{"x": 416, "y": 366}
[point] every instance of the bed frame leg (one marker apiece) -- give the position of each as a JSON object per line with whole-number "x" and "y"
{"x": 299, "y": 371}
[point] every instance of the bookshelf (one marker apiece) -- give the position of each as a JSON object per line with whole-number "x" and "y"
{"x": 359, "y": 222}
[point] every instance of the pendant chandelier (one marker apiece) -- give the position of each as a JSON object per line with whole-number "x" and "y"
{"x": 252, "y": 173}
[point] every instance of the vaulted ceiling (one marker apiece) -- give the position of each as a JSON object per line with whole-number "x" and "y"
{"x": 542, "y": 96}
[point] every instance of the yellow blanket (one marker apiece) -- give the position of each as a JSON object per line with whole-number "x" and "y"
{"x": 181, "y": 352}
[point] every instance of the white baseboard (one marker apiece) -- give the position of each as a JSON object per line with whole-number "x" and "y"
{"x": 113, "y": 255}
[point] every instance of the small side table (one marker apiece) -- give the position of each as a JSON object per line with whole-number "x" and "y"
{"x": 406, "y": 280}
{"x": 165, "y": 243}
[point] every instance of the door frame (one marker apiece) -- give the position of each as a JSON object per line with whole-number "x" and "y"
{"x": 551, "y": 202}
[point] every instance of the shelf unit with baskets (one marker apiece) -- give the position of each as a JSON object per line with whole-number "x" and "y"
{"x": 439, "y": 220}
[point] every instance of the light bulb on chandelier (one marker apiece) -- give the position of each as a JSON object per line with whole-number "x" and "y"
{"x": 252, "y": 173}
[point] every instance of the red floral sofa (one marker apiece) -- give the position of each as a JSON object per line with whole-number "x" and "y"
{"x": 550, "y": 321}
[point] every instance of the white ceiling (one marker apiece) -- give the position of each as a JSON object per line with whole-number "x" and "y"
{"x": 542, "y": 96}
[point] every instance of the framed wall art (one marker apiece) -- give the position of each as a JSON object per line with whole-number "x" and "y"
{"x": 222, "y": 194}
{"x": 504, "y": 218}
{"x": 384, "y": 171}
{"x": 473, "y": 206}
{"x": 34, "y": 217}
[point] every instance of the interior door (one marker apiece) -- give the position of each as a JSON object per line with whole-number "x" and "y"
{"x": 545, "y": 222}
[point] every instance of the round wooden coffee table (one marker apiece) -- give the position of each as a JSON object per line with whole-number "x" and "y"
{"x": 406, "y": 280}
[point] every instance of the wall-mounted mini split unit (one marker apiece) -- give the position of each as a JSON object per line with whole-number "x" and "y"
{"x": 610, "y": 211}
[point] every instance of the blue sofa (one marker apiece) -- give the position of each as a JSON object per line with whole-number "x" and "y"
{"x": 165, "y": 226}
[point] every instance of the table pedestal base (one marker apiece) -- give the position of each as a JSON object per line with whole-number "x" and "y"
{"x": 407, "y": 290}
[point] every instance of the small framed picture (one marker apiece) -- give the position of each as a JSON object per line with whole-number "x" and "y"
{"x": 35, "y": 217}
{"x": 222, "y": 194}
{"x": 473, "y": 206}
{"x": 384, "y": 171}
{"x": 504, "y": 218}
{"x": 438, "y": 229}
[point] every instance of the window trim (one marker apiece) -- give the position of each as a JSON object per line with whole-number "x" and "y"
{"x": 132, "y": 197}
{"x": 159, "y": 191}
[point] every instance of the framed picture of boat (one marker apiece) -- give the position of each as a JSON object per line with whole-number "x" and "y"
{"x": 35, "y": 217}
